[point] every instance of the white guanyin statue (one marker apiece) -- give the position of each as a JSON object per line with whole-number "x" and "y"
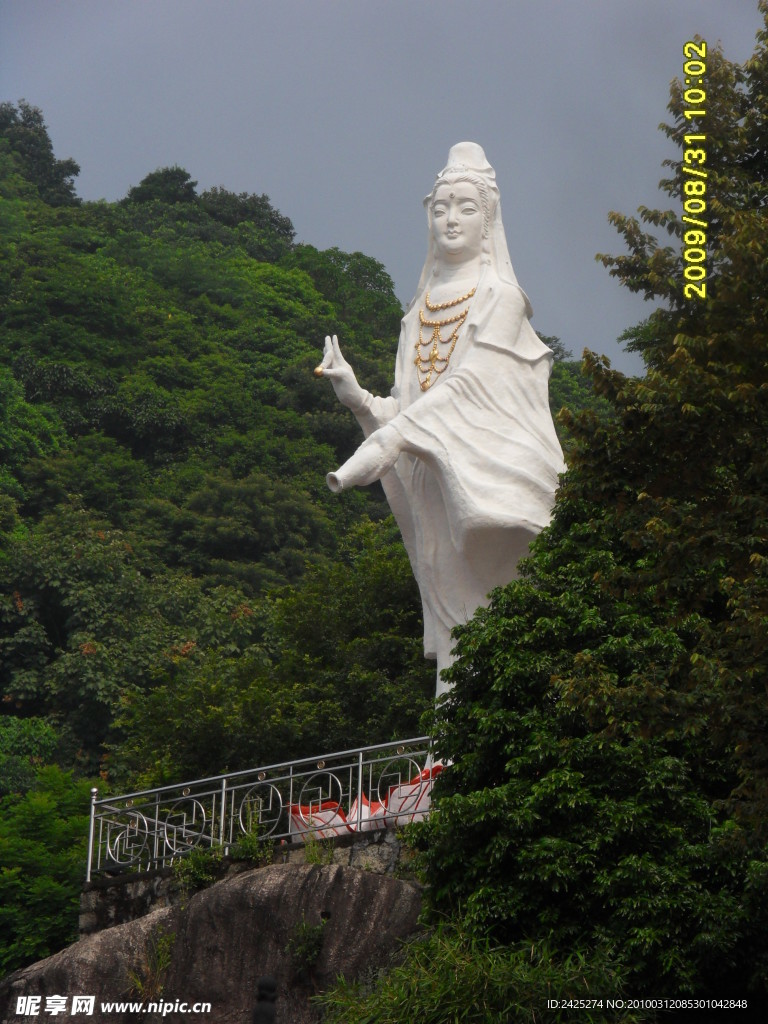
{"x": 464, "y": 446}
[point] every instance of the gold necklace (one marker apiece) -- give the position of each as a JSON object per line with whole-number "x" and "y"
{"x": 431, "y": 365}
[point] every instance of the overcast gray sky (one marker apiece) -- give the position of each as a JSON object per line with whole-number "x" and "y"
{"x": 343, "y": 111}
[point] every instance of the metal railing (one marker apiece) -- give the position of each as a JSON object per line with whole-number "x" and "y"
{"x": 348, "y": 791}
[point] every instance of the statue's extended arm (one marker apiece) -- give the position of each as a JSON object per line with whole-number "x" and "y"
{"x": 370, "y": 462}
{"x": 380, "y": 451}
{"x": 490, "y": 343}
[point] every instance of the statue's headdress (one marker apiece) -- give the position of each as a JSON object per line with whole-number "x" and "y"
{"x": 467, "y": 161}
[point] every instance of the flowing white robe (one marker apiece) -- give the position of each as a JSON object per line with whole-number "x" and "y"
{"x": 476, "y": 480}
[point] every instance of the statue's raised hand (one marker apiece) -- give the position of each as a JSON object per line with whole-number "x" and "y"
{"x": 341, "y": 375}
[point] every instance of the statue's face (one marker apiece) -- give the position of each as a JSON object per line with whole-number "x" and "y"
{"x": 457, "y": 221}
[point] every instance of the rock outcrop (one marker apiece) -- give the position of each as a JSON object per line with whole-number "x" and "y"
{"x": 302, "y": 924}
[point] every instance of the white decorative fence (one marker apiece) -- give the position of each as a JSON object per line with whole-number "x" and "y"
{"x": 345, "y": 792}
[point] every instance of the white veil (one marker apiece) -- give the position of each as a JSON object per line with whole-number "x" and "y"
{"x": 469, "y": 158}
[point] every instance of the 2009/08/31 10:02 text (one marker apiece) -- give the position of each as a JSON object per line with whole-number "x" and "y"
{"x": 695, "y": 184}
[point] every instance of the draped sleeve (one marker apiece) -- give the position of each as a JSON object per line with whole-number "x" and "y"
{"x": 479, "y": 458}
{"x": 484, "y": 427}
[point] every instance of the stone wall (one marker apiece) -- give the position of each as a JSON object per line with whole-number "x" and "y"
{"x": 110, "y": 900}
{"x": 221, "y": 940}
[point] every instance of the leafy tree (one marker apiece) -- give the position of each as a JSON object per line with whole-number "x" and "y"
{"x": 452, "y": 975}
{"x": 43, "y": 838}
{"x": 161, "y": 344}
{"x": 262, "y": 231}
{"x": 609, "y": 776}
{"x": 234, "y": 209}
{"x": 348, "y": 643}
{"x": 83, "y": 615}
{"x": 358, "y": 287}
{"x": 26, "y": 431}
{"x": 25, "y": 745}
{"x": 332, "y": 662}
{"x": 165, "y": 185}
{"x": 572, "y": 390}
{"x": 93, "y": 469}
{"x": 26, "y": 135}
{"x": 560, "y": 352}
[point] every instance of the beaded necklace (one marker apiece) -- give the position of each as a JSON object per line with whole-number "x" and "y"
{"x": 431, "y": 365}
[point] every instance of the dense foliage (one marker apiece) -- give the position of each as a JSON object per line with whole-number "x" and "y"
{"x": 452, "y": 975}
{"x": 164, "y": 522}
{"x": 43, "y": 835}
{"x": 609, "y": 777}
{"x": 164, "y": 442}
